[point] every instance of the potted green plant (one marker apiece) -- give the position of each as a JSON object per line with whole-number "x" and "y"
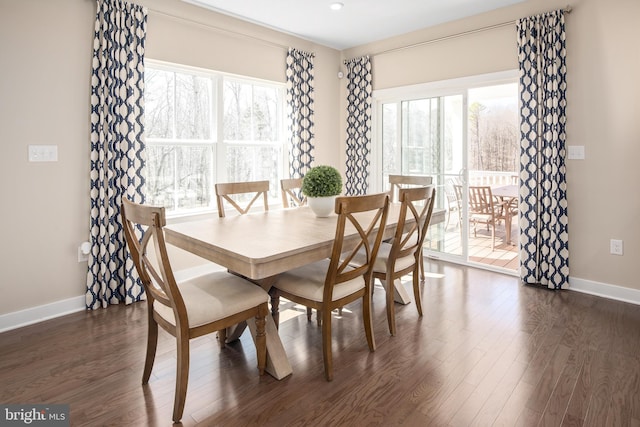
{"x": 321, "y": 184}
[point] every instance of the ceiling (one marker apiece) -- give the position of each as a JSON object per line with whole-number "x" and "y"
{"x": 358, "y": 22}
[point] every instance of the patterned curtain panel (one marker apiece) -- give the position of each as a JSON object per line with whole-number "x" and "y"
{"x": 117, "y": 145}
{"x": 544, "y": 238}
{"x": 300, "y": 111}
{"x": 359, "y": 91}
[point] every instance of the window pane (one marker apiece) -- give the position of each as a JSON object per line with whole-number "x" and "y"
{"x": 493, "y": 128}
{"x": 179, "y": 177}
{"x": 265, "y": 123}
{"x": 237, "y": 111}
{"x": 193, "y": 107}
{"x": 421, "y": 124}
{"x": 158, "y": 103}
{"x": 390, "y": 146}
{"x": 194, "y": 187}
{"x": 250, "y": 163}
{"x": 161, "y": 175}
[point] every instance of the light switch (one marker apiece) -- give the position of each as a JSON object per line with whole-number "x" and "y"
{"x": 576, "y": 152}
{"x": 43, "y": 153}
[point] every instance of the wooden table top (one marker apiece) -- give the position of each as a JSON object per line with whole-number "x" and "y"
{"x": 505, "y": 191}
{"x": 264, "y": 244}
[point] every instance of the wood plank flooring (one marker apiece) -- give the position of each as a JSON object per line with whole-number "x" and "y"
{"x": 487, "y": 352}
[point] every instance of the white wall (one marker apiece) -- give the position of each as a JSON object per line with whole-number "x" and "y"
{"x": 45, "y": 51}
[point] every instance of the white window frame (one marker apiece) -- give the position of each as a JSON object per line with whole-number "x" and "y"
{"x": 217, "y": 131}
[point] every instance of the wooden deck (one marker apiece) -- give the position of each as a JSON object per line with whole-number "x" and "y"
{"x": 502, "y": 256}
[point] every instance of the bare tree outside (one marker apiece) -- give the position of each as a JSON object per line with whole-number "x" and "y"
{"x": 493, "y": 129}
{"x": 183, "y": 140}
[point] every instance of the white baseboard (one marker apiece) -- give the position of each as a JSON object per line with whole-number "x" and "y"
{"x": 40, "y": 313}
{"x": 604, "y": 290}
{"x": 28, "y": 316}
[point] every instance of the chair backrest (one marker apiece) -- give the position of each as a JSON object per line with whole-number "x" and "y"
{"x": 417, "y": 205}
{"x": 155, "y": 272}
{"x": 481, "y": 200}
{"x": 368, "y": 215}
{"x": 457, "y": 189}
{"x": 290, "y": 197}
{"x": 406, "y": 181}
{"x": 227, "y": 191}
{"x": 451, "y": 193}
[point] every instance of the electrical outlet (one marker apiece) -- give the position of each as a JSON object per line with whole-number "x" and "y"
{"x": 616, "y": 247}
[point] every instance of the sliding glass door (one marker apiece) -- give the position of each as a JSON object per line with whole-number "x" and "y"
{"x": 425, "y": 136}
{"x": 463, "y": 136}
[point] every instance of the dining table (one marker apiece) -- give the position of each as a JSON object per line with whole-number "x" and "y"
{"x": 261, "y": 245}
{"x": 508, "y": 195}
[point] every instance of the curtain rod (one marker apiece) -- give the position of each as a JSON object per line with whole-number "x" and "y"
{"x": 454, "y": 36}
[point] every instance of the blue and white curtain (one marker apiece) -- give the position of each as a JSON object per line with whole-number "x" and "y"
{"x": 300, "y": 111}
{"x": 359, "y": 91}
{"x": 117, "y": 146}
{"x": 544, "y": 238}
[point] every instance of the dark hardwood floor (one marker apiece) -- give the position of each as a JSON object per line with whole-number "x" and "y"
{"x": 488, "y": 352}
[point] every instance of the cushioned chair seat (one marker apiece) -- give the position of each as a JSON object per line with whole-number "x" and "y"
{"x": 214, "y": 296}
{"x": 380, "y": 264}
{"x": 308, "y": 282}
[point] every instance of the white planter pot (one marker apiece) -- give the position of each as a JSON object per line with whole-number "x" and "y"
{"x": 322, "y": 206}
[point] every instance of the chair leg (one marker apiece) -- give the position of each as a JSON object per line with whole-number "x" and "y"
{"x": 222, "y": 338}
{"x": 152, "y": 345}
{"x": 391, "y": 315}
{"x": 421, "y": 266}
{"x": 261, "y": 338}
{"x": 182, "y": 375}
{"x": 326, "y": 344}
{"x": 368, "y": 320}
{"x": 309, "y": 314}
{"x": 416, "y": 294}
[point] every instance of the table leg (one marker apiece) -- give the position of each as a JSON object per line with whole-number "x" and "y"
{"x": 400, "y": 294}
{"x": 277, "y": 362}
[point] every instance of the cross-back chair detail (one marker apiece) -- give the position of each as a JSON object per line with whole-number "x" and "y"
{"x": 397, "y": 182}
{"x": 332, "y": 283}
{"x": 226, "y": 191}
{"x": 186, "y": 310}
{"x": 290, "y": 197}
{"x": 403, "y": 255}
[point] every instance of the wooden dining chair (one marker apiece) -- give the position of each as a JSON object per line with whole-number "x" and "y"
{"x": 397, "y": 182}
{"x": 484, "y": 208}
{"x": 187, "y": 310}
{"x": 234, "y": 192}
{"x": 332, "y": 283}
{"x": 290, "y": 197}
{"x": 403, "y": 254}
